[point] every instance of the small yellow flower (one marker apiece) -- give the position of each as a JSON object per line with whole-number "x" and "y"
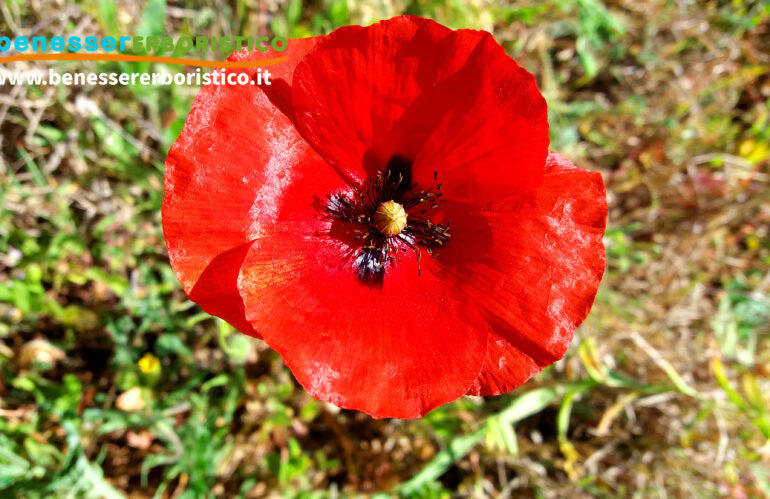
{"x": 149, "y": 364}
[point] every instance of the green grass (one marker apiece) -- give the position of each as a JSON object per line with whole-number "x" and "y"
{"x": 664, "y": 388}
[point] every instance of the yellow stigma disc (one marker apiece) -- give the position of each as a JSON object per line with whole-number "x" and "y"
{"x": 390, "y": 218}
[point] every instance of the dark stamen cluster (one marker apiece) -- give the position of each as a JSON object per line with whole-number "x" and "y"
{"x": 392, "y": 184}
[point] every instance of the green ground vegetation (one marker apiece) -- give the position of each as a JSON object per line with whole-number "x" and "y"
{"x": 112, "y": 383}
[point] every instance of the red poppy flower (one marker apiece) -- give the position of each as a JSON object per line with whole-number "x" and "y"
{"x": 387, "y": 216}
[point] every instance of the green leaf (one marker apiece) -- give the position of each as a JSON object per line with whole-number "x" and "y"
{"x": 172, "y": 344}
{"x": 293, "y": 13}
{"x": 24, "y": 383}
{"x": 456, "y": 450}
{"x": 219, "y": 380}
{"x": 338, "y": 13}
{"x": 21, "y": 297}
{"x": 238, "y": 347}
{"x": 528, "y": 404}
{"x": 279, "y": 26}
{"x": 502, "y": 436}
{"x": 562, "y": 424}
{"x": 587, "y": 57}
{"x": 34, "y": 170}
{"x": 108, "y": 16}
{"x": 117, "y": 284}
{"x": 153, "y": 19}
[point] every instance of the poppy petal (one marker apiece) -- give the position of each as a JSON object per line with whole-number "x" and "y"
{"x": 450, "y": 101}
{"x": 534, "y": 265}
{"x": 505, "y": 368}
{"x": 223, "y": 178}
{"x": 395, "y": 350}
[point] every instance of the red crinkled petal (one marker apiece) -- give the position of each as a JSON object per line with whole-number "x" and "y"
{"x": 451, "y": 101}
{"x": 395, "y": 351}
{"x": 224, "y": 178}
{"x": 533, "y": 265}
{"x": 505, "y": 367}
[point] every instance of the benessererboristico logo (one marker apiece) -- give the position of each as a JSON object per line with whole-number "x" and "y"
{"x": 159, "y": 49}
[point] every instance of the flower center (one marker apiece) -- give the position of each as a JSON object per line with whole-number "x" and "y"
{"x": 390, "y": 218}
{"x": 388, "y": 215}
